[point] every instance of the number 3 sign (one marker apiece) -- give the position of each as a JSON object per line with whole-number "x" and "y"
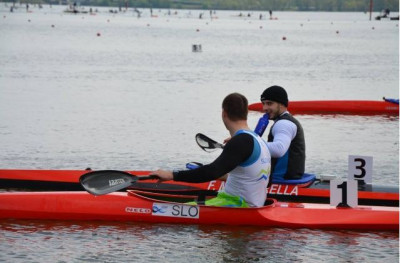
{"x": 360, "y": 168}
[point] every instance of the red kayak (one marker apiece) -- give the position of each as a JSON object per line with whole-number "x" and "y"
{"x": 312, "y": 191}
{"x": 133, "y": 207}
{"x": 357, "y": 107}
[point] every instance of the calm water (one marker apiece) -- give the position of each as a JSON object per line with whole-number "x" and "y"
{"x": 135, "y": 96}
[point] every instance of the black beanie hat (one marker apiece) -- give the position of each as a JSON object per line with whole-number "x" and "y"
{"x": 275, "y": 93}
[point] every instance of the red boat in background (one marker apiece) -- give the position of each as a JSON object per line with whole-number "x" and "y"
{"x": 356, "y": 107}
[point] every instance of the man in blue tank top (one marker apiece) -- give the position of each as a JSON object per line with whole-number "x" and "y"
{"x": 245, "y": 158}
{"x": 286, "y": 139}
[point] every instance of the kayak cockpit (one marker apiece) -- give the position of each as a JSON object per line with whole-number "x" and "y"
{"x": 306, "y": 180}
{"x": 176, "y": 198}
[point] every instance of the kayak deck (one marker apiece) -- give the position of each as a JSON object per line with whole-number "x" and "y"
{"x": 130, "y": 206}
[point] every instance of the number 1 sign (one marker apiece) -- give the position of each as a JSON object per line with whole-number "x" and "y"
{"x": 343, "y": 194}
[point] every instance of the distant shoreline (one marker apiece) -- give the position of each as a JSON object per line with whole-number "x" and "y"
{"x": 237, "y": 5}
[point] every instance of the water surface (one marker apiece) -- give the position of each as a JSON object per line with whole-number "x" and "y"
{"x": 135, "y": 96}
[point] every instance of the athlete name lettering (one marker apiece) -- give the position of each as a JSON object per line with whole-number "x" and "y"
{"x": 278, "y": 189}
{"x": 116, "y": 181}
{"x": 216, "y": 185}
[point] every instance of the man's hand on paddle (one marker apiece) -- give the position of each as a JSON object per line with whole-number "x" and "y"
{"x": 163, "y": 175}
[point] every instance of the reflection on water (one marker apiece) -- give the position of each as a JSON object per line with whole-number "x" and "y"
{"x": 140, "y": 242}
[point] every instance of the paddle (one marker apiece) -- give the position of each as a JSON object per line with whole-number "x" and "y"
{"x": 108, "y": 181}
{"x": 207, "y": 144}
{"x": 395, "y": 101}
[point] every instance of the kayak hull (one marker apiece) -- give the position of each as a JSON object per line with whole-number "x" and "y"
{"x": 314, "y": 192}
{"x": 132, "y": 207}
{"x": 356, "y": 107}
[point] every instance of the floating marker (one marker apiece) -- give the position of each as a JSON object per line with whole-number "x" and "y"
{"x": 283, "y": 38}
{"x": 98, "y": 34}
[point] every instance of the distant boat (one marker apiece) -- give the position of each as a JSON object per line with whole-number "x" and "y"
{"x": 352, "y": 107}
{"x": 387, "y": 18}
{"x": 385, "y": 15}
{"x": 75, "y": 11}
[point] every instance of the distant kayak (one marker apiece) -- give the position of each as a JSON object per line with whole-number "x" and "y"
{"x": 356, "y": 107}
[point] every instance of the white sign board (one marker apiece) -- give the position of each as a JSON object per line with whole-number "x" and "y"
{"x": 343, "y": 194}
{"x": 360, "y": 168}
{"x": 176, "y": 210}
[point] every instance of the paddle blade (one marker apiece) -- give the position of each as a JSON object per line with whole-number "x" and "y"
{"x": 206, "y": 143}
{"x": 106, "y": 181}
